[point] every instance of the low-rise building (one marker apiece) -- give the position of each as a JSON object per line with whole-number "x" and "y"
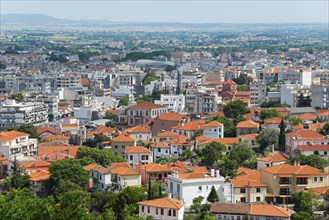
{"x": 274, "y": 123}
{"x": 174, "y": 103}
{"x": 119, "y": 143}
{"x": 246, "y": 127}
{"x": 160, "y": 149}
{"x": 138, "y": 155}
{"x": 161, "y": 209}
{"x": 272, "y": 160}
{"x": 214, "y": 129}
{"x": 39, "y": 182}
{"x": 154, "y": 172}
{"x": 139, "y": 133}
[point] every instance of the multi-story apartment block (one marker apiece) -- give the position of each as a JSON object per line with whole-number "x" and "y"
{"x": 285, "y": 179}
{"x": 320, "y": 95}
{"x": 191, "y": 185}
{"x": 17, "y": 144}
{"x": 174, "y": 103}
{"x": 142, "y": 113}
{"x": 68, "y": 81}
{"x": 321, "y": 75}
{"x": 257, "y": 93}
{"x": 52, "y": 104}
{"x": 201, "y": 101}
{"x": 296, "y": 76}
{"x": 13, "y": 114}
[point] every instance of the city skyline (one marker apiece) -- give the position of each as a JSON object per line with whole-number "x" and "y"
{"x": 187, "y": 12}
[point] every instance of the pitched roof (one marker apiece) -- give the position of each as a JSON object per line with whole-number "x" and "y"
{"x": 305, "y": 134}
{"x": 228, "y": 208}
{"x": 307, "y": 116}
{"x": 243, "y": 183}
{"x": 55, "y": 137}
{"x": 39, "y": 176}
{"x": 124, "y": 137}
{"x": 42, "y": 129}
{"x": 167, "y": 203}
{"x": 146, "y": 105}
{"x": 198, "y": 169}
{"x": 297, "y": 170}
{"x": 136, "y": 150}
{"x": 34, "y": 164}
{"x": 247, "y": 124}
{"x": 167, "y": 134}
{"x": 313, "y": 147}
{"x": 154, "y": 167}
{"x": 214, "y": 124}
{"x": 320, "y": 190}
{"x": 47, "y": 150}
{"x": 160, "y": 145}
{"x": 275, "y": 120}
{"x": 181, "y": 140}
{"x": 169, "y": 116}
{"x": 273, "y": 158}
{"x": 249, "y": 136}
{"x": 191, "y": 126}
{"x": 105, "y": 129}
{"x": 123, "y": 171}
{"x": 269, "y": 210}
{"x": 11, "y": 135}
{"x": 194, "y": 176}
{"x": 230, "y": 82}
{"x": 90, "y": 167}
{"x": 137, "y": 129}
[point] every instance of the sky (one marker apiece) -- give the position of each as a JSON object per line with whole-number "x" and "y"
{"x": 236, "y": 11}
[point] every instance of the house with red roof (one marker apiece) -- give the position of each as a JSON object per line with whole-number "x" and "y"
{"x": 164, "y": 122}
{"x": 160, "y": 149}
{"x": 143, "y": 112}
{"x": 214, "y": 129}
{"x": 120, "y": 142}
{"x": 275, "y": 123}
{"x": 139, "y": 133}
{"x": 188, "y": 129}
{"x": 246, "y": 127}
{"x": 138, "y": 155}
{"x": 272, "y": 160}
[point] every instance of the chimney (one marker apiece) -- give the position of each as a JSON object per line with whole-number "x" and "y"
{"x": 295, "y": 163}
{"x": 212, "y": 172}
{"x": 298, "y": 163}
{"x": 169, "y": 195}
{"x": 217, "y": 173}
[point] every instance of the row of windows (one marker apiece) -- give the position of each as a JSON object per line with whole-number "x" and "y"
{"x": 243, "y": 190}
{"x": 171, "y": 212}
{"x": 144, "y": 157}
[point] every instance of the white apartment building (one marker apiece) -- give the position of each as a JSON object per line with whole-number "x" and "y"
{"x": 138, "y": 155}
{"x": 68, "y": 81}
{"x": 14, "y": 114}
{"x": 14, "y": 143}
{"x": 320, "y": 75}
{"x": 201, "y": 101}
{"x": 257, "y": 93}
{"x": 320, "y": 95}
{"x": 174, "y": 103}
{"x": 191, "y": 185}
{"x": 297, "y": 76}
{"x": 214, "y": 129}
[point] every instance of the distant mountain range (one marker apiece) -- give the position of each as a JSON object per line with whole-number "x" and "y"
{"x": 44, "y": 21}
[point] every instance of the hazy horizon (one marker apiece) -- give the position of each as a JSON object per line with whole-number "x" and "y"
{"x": 177, "y": 11}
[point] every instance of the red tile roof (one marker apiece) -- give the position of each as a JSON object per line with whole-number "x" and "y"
{"x": 11, "y": 135}
{"x": 166, "y": 203}
{"x": 136, "y": 150}
{"x": 305, "y": 134}
{"x": 171, "y": 116}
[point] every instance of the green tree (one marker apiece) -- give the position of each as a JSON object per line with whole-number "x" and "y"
{"x": 197, "y": 133}
{"x": 187, "y": 154}
{"x": 242, "y": 79}
{"x": 110, "y": 124}
{"x": 197, "y": 204}
{"x": 109, "y": 115}
{"x": 242, "y": 152}
{"x": 235, "y": 108}
{"x": 28, "y": 128}
{"x": 269, "y": 113}
{"x": 325, "y": 129}
{"x": 282, "y": 136}
{"x": 102, "y": 157}
{"x": 305, "y": 201}
{"x": 302, "y": 215}
{"x": 19, "y": 97}
{"x": 213, "y": 196}
{"x": 296, "y": 121}
{"x": 140, "y": 143}
{"x": 18, "y": 177}
{"x": 149, "y": 77}
{"x": 304, "y": 101}
{"x": 124, "y": 101}
{"x": 311, "y": 160}
{"x": 242, "y": 88}
{"x": 213, "y": 154}
{"x": 67, "y": 174}
{"x": 268, "y": 137}
{"x": 228, "y": 167}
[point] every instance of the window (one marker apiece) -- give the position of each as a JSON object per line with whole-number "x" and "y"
{"x": 258, "y": 190}
{"x": 200, "y": 188}
{"x": 115, "y": 146}
{"x": 123, "y": 146}
{"x": 148, "y": 209}
{"x": 243, "y": 190}
{"x": 238, "y": 218}
{"x": 173, "y": 212}
{"x": 100, "y": 177}
{"x": 159, "y": 149}
{"x": 131, "y": 157}
{"x": 207, "y": 187}
{"x": 243, "y": 199}
{"x": 156, "y": 211}
{"x": 162, "y": 211}
{"x": 257, "y": 199}
{"x": 321, "y": 179}
{"x": 315, "y": 179}
{"x": 142, "y": 208}
{"x": 169, "y": 212}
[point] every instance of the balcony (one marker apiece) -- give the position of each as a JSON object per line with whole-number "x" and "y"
{"x": 284, "y": 192}
{"x": 302, "y": 181}
{"x": 285, "y": 181}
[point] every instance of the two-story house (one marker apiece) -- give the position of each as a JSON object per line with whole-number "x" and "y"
{"x": 154, "y": 172}
{"x": 188, "y": 129}
{"x": 285, "y": 179}
{"x": 246, "y": 127}
{"x": 164, "y": 122}
{"x": 180, "y": 144}
{"x": 160, "y": 149}
{"x": 191, "y": 185}
{"x": 139, "y": 133}
{"x": 119, "y": 143}
{"x": 214, "y": 129}
{"x": 138, "y": 155}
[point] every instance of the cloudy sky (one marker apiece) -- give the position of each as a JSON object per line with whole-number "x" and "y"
{"x": 233, "y": 11}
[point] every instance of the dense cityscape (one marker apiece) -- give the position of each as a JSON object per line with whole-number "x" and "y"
{"x": 163, "y": 121}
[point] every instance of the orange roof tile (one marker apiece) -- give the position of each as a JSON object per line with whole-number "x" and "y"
{"x": 276, "y": 120}
{"x": 40, "y": 176}
{"x": 137, "y": 129}
{"x": 47, "y": 150}
{"x": 154, "y": 168}
{"x": 160, "y": 145}
{"x": 242, "y": 183}
{"x": 105, "y": 129}
{"x": 69, "y": 125}
{"x": 247, "y": 124}
{"x": 313, "y": 147}
{"x": 229, "y": 82}
{"x": 191, "y": 126}
{"x": 198, "y": 169}
{"x": 123, "y": 171}
{"x": 169, "y": 116}
{"x": 202, "y": 138}
{"x": 320, "y": 190}
{"x": 90, "y": 167}
{"x": 297, "y": 170}
{"x": 166, "y": 203}
{"x": 194, "y": 176}
{"x": 34, "y": 164}
{"x": 124, "y": 137}
{"x": 55, "y": 137}
{"x": 214, "y": 124}
{"x": 307, "y": 116}
{"x": 42, "y": 129}
{"x": 12, "y": 135}
{"x": 85, "y": 81}
{"x": 168, "y": 134}
{"x": 249, "y": 136}
{"x": 305, "y": 134}
{"x": 269, "y": 210}
{"x": 136, "y": 150}
{"x": 181, "y": 140}
{"x": 273, "y": 158}
{"x": 146, "y": 105}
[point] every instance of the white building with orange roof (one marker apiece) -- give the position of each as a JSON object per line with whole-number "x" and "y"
{"x": 285, "y": 179}
{"x": 191, "y": 185}
{"x": 188, "y": 129}
{"x": 120, "y": 142}
{"x": 303, "y": 137}
{"x": 162, "y": 208}
{"x": 139, "y": 133}
{"x": 246, "y": 127}
{"x": 165, "y": 136}
{"x": 272, "y": 160}
{"x": 155, "y": 172}
{"x": 138, "y": 155}
{"x": 274, "y": 123}
{"x": 180, "y": 144}
{"x": 39, "y": 181}
{"x": 17, "y": 144}
{"x": 160, "y": 149}
{"x": 214, "y": 129}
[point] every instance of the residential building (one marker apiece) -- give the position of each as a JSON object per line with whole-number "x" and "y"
{"x": 180, "y": 144}
{"x": 138, "y": 155}
{"x": 160, "y": 149}
{"x": 225, "y": 211}
{"x": 139, "y": 133}
{"x": 321, "y": 150}
{"x": 188, "y": 129}
{"x": 296, "y": 76}
{"x": 214, "y": 129}
{"x": 142, "y": 113}
{"x": 285, "y": 179}
{"x": 174, "y": 103}
{"x": 272, "y": 160}
{"x": 68, "y": 81}
{"x": 201, "y": 101}
{"x": 17, "y": 144}
{"x": 191, "y": 185}
{"x": 154, "y": 172}
{"x": 320, "y": 95}
{"x": 162, "y": 209}
{"x": 246, "y": 127}
{"x": 274, "y": 123}
{"x": 165, "y": 121}
{"x": 39, "y": 182}
{"x": 14, "y": 114}
{"x": 257, "y": 93}
{"x": 119, "y": 143}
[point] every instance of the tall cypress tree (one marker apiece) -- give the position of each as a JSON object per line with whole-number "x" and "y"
{"x": 282, "y": 137}
{"x": 149, "y": 190}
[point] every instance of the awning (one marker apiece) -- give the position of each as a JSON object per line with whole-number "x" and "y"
{"x": 285, "y": 175}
